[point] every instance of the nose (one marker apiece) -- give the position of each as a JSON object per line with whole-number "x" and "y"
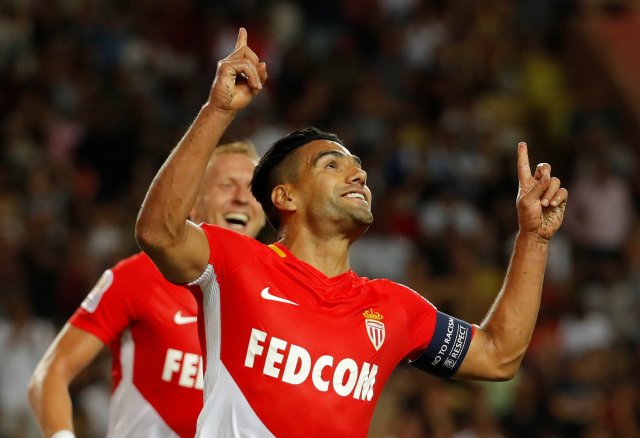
{"x": 358, "y": 176}
{"x": 242, "y": 194}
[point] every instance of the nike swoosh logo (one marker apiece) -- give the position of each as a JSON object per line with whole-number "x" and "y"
{"x": 179, "y": 319}
{"x": 268, "y": 296}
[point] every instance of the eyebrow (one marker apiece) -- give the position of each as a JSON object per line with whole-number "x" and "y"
{"x": 337, "y": 154}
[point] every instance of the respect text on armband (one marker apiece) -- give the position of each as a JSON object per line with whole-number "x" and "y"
{"x": 452, "y": 346}
{"x": 447, "y": 348}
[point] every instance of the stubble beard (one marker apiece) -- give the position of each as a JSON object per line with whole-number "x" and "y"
{"x": 356, "y": 221}
{"x": 362, "y": 217}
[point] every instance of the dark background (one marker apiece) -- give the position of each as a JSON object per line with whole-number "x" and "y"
{"x": 433, "y": 96}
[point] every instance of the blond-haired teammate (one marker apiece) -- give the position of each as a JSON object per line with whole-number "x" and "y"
{"x": 148, "y": 323}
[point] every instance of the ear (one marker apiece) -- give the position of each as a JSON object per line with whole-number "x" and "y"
{"x": 282, "y": 198}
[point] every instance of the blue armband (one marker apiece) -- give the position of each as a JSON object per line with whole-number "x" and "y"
{"x": 448, "y": 347}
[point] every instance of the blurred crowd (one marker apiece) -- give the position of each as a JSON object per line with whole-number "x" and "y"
{"x": 432, "y": 95}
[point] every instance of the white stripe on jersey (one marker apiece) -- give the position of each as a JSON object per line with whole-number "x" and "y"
{"x": 130, "y": 414}
{"x": 213, "y": 329}
{"x": 226, "y": 411}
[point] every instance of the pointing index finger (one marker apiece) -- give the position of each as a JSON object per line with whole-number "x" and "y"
{"x": 524, "y": 170}
{"x": 242, "y": 38}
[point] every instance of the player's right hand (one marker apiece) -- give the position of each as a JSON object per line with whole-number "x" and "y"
{"x": 239, "y": 77}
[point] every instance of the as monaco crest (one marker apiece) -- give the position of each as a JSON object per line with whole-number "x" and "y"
{"x": 375, "y": 327}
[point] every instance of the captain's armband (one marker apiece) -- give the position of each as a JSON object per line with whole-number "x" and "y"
{"x": 448, "y": 347}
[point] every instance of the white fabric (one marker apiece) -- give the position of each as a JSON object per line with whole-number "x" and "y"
{"x": 130, "y": 414}
{"x": 63, "y": 434}
{"x": 226, "y": 412}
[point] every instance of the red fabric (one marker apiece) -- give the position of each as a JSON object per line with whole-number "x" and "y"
{"x": 320, "y": 316}
{"x": 140, "y": 300}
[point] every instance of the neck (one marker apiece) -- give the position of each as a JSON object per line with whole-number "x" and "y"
{"x": 329, "y": 255}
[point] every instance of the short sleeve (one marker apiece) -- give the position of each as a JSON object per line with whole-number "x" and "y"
{"x": 227, "y": 250}
{"x": 109, "y": 307}
{"x": 421, "y": 319}
{"x": 438, "y": 342}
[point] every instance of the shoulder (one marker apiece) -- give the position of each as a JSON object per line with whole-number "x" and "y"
{"x": 218, "y": 234}
{"x": 135, "y": 262}
{"x": 401, "y": 293}
{"x": 137, "y": 271}
{"x": 230, "y": 248}
{"x": 138, "y": 266}
{"x": 130, "y": 285}
{"x": 389, "y": 285}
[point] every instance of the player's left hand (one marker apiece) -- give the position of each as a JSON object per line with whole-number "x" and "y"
{"x": 541, "y": 201}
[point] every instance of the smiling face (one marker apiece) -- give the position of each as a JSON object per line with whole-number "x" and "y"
{"x": 331, "y": 187}
{"x": 225, "y": 198}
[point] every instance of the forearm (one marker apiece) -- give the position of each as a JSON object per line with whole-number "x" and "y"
{"x": 70, "y": 353}
{"x": 499, "y": 344}
{"x": 51, "y": 403}
{"x": 510, "y": 322}
{"x": 173, "y": 191}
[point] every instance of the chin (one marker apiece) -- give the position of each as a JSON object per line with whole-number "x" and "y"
{"x": 365, "y": 218}
{"x": 359, "y": 229}
{"x": 361, "y": 223}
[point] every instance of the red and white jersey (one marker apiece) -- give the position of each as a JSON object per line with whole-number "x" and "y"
{"x": 150, "y": 326}
{"x": 290, "y": 352}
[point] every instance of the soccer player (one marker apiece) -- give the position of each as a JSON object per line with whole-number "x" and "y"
{"x": 294, "y": 342}
{"x": 148, "y": 323}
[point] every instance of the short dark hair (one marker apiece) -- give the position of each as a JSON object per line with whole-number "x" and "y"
{"x": 268, "y": 173}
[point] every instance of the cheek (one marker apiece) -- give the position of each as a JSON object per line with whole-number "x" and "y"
{"x": 257, "y": 209}
{"x": 217, "y": 202}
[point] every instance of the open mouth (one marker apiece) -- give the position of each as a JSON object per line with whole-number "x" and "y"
{"x": 357, "y": 196}
{"x": 236, "y": 220}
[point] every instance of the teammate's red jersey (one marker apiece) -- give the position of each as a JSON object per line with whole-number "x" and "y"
{"x": 150, "y": 326}
{"x": 290, "y": 352}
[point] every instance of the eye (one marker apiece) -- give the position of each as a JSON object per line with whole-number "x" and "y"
{"x": 331, "y": 165}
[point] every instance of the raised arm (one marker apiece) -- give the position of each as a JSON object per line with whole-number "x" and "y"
{"x": 501, "y": 341}
{"x": 70, "y": 353}
{"x": 177, "y": 246}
